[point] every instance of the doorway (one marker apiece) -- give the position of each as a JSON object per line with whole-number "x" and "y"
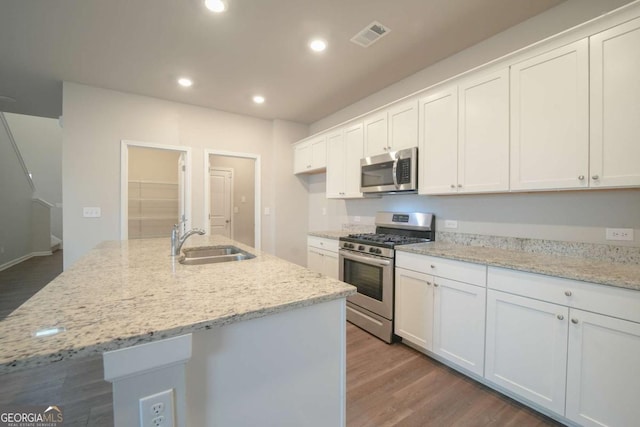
{"x": 232, "y": 193}
{"x": 155, "y": 189}
{"x": 221, "y": 196}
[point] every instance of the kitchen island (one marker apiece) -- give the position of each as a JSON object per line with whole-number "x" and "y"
{"x": 251, "y": 339}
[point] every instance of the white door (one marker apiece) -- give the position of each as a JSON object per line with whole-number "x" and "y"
{"x": 603, "y": 376}
{"x": 414, "y": 307}
{"x": 458, "y": 323}
{"x": 438, "y": 157}
{"x": 615, "y": 110}
{"x": 550, "y": 120}
{"x": 483, "y": 145}
{"x": 221, "y": 193}
{"x": 527, "y": 348}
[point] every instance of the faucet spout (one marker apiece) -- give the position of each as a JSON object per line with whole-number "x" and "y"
{"x": 177, "y": 241}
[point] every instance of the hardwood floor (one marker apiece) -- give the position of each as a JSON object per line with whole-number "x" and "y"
{"x": 387, "y": 385}
{"x": 394, "y": 385}
{"x": 22, "y": 281}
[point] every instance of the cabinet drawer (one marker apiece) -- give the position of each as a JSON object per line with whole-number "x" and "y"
{"x": 617, "y": 302}
{"x": 322, "y": 243}
{"x": 461, "y": 271}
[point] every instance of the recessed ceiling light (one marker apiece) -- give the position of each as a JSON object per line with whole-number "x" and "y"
{"x": 258, "y": 99}
{"x": 318, "y": 45}
{"x": 185, "y": 82}
{"x": 216, "y": 6}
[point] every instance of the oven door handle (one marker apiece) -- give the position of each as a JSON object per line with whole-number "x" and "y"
{"x": 365, "y": 258}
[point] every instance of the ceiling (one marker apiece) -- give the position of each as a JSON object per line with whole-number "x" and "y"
{"x": 256, "y": 46}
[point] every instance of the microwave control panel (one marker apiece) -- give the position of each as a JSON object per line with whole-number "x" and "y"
{"x": 404, "y": 171}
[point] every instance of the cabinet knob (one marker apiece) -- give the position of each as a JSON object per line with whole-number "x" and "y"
{"x": 574, "y": 321}
{"x": 432, "y": 266}
{"x": 453, "y": 186}
{"x": 428, "y": 283}
{"x": 560, "y": 317}
{"x": 459, "y": 185}
{"x": 435, "y": 284}
{"x": 595, "y": 177}
{"x": 567, "y": 293}
{"x": 581, "y": 177}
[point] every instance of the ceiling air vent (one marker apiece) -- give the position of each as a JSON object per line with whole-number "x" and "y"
{"x": 370, "y": 34}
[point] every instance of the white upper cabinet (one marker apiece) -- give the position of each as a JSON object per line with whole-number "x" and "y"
{"x": 483, "y": 135}
{"x": 344, "y": 151}
{"x": 550, "y": 120}
{"x": 403, "y": 125}
{"x": 615, "y": 106}
{"x": 393, "y": 129}
{"x": 310, "y": 155}
{"x": 376, "y": 138}
{"x": 438, "y": 149}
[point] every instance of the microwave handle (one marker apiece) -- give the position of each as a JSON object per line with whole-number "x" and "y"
{"x": 395, "y": 172}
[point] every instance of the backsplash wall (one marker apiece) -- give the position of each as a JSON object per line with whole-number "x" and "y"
{"x": 573, "y": 216}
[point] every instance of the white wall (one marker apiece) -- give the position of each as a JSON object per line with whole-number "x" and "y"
{"x": 15, "y": 204}
{"x": 96, "y": 120}
{"x": 290, "y": 195}
{"x": 579, "y": 216}
{"x": 40, "y": 142}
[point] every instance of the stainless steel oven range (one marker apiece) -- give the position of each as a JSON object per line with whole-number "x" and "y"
{"x": 367, "y": 261}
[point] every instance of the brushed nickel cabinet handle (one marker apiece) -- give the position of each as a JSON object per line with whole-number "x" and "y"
{"x": 568, "y": 293}
{"x": 595, "y": 177}
{"x": 574, "y": 321}
{"x": 560, "y": 317}
{"x": 581, "y": 177}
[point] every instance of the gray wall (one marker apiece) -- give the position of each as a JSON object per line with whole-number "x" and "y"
{"x": 578, "y": 216}
{"x": 40, "y": 142}
{"x": 95, "y": 122}
{"x": 15, "y": 204}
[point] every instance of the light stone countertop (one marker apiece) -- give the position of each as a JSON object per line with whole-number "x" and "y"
{"x": 330, "y": 234}
{"x": 124, "y": 293}
{"x": 588, "y": 270}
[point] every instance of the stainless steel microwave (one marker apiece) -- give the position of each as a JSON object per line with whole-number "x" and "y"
{"x": 390, "y": 173}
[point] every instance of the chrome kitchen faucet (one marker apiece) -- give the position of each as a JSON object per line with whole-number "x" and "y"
{"x": 177, "y": 241}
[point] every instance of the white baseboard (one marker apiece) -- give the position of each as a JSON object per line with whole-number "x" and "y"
{"x": 23, "y": 258}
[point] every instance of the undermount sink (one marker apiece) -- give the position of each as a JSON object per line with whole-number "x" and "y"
{"x": 213, "y": 254}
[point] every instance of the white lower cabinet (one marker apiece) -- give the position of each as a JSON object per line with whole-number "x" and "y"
{"x": 603, "y": 381}
{"x": 322, "y": 256}
{"x": 458, "y": 323}
{"x": 526, "y": 349}
{"x": 414, "y": 308}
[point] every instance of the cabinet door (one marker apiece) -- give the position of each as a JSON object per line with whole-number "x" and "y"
{"x": 603, "y": 379}
{"x": 527, "y": 348}
{"x": 319, "y": 153}
{"x": 301, "y": 158}
{"x": 354, "y": 152}
{"x": 483, "y": 145}
{"x": 458, "y": 324}
{"x": 615, "y": 110}
{"x": 550, "y": 120}
{"x": 331, "y": 266}
{"x": 375, "y": 134}
{"x": 414, "y": 307}
{"x": 438, "y": 130}
{"x": 315, "y": 260}
{"x": 335, "y": 165}
{"x": 403, "y": 126}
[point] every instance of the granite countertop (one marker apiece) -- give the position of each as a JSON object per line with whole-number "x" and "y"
{"x": 124, "y": 293}
{"x": 330, "y": 234}
{"x": 588, "y": 270}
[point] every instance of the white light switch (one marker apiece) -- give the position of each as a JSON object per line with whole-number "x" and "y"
{"x": 235, "y": 209}
{"x": 243, "y": 199}
{"x": 92, "y": 212}
{"x": 324, "y": 211}
{"x": 267, "y": 211}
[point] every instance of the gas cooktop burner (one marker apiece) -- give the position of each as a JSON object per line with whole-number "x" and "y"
{"x": 387, "y": 239}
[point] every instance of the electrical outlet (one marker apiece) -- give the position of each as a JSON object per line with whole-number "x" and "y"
{"x": 356, "y": 219}
{"x": 93, "y": 212}
{"x": 619, "y": 234}
{"x": 324, "y": 211}
{"x": 450, "y": 223}
{"x": 157, "y": 410}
